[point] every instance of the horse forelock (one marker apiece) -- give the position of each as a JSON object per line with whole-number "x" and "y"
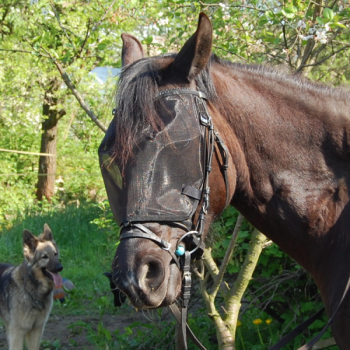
{"x": 135, "y": 111}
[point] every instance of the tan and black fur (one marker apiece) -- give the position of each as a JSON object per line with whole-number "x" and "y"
{"x": 26, "y": 291}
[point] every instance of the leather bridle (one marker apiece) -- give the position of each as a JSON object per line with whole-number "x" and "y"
{"x": 192, "y": 238}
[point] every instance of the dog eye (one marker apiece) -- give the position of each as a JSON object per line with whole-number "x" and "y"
{"x": 55, "y": 253}
{"x": 45, "y": 256}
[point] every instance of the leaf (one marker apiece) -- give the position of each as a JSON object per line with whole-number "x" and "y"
{"x": 289, "y": 11}
{"x": 328, "y": 14}
{"x": 341, "y": 25}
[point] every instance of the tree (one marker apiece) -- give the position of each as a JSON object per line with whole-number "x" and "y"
{"x": 76, "y": 37}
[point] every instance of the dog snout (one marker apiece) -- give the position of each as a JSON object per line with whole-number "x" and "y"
{"x": 58, "y": 267}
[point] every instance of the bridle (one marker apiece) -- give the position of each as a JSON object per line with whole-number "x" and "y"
{"x": 191, "y": 238}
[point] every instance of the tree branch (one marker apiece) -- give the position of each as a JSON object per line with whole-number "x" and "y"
{"x": 322, "y": 60}
{"x": 76, "y": 93}
{"x": 103, "y": 17}
{"x": 78, "y": 96}
{"x": 60, "y": 24}
{"x": 228, "y": 256}
{"x": 22, "y": 51}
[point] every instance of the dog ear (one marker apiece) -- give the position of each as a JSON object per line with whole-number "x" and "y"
{"x": 47, "y": 234}
{"x": 30, "y": 243}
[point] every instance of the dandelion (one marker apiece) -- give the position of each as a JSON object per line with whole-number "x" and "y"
{"x": 257, "y": 322}
{"x": 239, "y": 323}
{"x": 268, "y": 322}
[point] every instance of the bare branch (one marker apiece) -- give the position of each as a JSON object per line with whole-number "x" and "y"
{"x": 228, "y": 255}
{"x": 23, "y": 51}
{"x": 103, "y": 17}
{"x": 60, "y": 24}
{"x": 322, "y": 60}
{"x": 76, "y": 93}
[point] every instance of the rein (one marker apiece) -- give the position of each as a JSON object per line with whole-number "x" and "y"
{"x": 180, "y": 255}
{"x": 299, "y": 329}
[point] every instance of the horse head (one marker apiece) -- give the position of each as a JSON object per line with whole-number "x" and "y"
{"x": 160, "y": 159}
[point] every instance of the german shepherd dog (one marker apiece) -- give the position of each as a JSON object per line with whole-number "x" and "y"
{"x": 26, "y": 291}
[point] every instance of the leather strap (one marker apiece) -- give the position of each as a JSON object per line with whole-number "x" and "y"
{"x": 170, "y": 92}
{"x": 296, "y": 331}
{"x": 177, "y": 314}
{"x": 148, "y": 234}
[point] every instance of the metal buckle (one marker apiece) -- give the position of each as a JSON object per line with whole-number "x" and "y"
{"x": 205, "y": 119}
{"x": 166, "y": 244}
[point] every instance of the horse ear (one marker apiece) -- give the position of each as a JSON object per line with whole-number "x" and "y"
{"x": 132, "y": 49}
{"x": 195, "y": 54}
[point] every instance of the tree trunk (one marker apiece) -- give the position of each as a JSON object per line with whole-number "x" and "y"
{"x": 47, "y": 164}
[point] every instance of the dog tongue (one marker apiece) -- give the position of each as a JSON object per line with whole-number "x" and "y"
{"x": 57, "y": 278}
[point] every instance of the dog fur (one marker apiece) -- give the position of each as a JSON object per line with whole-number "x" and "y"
{"x": 26, "y": 290}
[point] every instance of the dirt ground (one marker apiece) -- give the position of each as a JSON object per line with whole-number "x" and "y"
{"x": 57, "y": 328}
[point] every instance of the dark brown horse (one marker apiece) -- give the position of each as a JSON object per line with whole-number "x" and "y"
{"x": 289, "y": 165}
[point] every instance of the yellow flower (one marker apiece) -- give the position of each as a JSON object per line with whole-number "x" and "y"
{"x": 239, "y": 323}
{"x": 257, "y": 321}
{"x": 268, "y": 321}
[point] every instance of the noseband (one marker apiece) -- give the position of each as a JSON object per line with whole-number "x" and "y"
{"x": 192, "y": 238}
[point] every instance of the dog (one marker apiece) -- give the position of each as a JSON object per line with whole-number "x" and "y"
{"x": 26, "y": 290}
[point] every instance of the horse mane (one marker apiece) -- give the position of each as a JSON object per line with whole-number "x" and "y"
{"x": 281, "y": 74}
{"x": 327, "y": 103}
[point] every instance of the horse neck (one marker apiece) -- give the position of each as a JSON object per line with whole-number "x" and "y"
{"x": 292, "y": 156}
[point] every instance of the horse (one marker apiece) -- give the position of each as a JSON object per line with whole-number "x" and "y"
{"x": 287, "y": 166}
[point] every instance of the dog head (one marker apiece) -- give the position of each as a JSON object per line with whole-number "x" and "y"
{"x": 42, "y": 253}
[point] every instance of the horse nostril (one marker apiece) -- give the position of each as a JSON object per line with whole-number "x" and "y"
{"x": 152, "y": 271}
{"x": 151, "y": 275}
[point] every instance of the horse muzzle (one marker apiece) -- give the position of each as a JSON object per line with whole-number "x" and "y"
{"x": 146, "y": 273}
